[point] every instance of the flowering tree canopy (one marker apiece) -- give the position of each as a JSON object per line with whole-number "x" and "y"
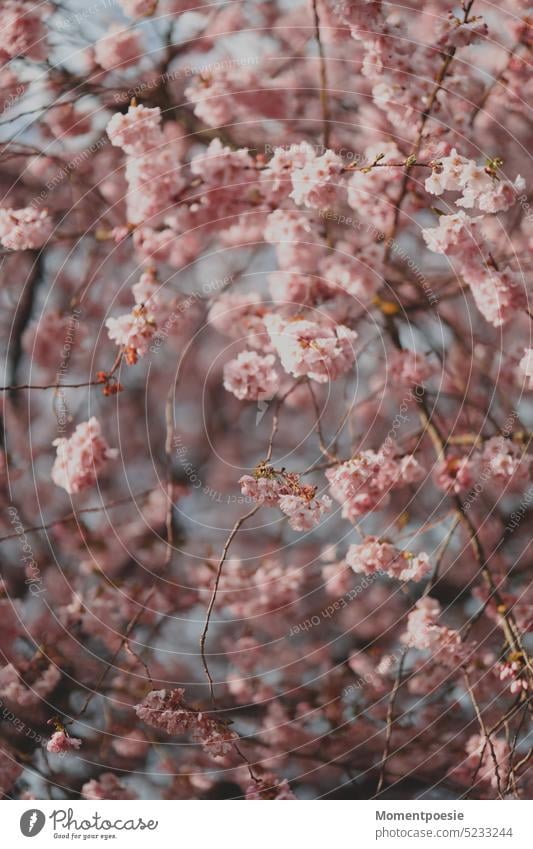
{"x": 266, "y": 400}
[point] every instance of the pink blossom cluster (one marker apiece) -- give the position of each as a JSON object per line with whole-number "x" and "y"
{"x": 135, "y": 331}
{"x": 228, "y": 183}
{"x": 269, "y": 788}
{"x": 309, "y": 349}
{"x": 265, "y": 589}
{"x": 490, "y": 759}
{"x": 240, "y": 316}
{"x": 526, "y": 366}
{"x": 106, "y": 786}
{"x": 285, "y": 490}
{"x": 12, "y": 686}
{"x": 513, "y": 669}
{"x": 499, "y": 461}
{"x": 23, "y": 229}
{"x": 371, "y": 192}
{"x": 480, "y": 186}
{"x": 498, "y": 293}
{"x": 153, "y": 165}
{"x": 81, "y": 457}
{"x": 297, "y": 248}
{"x": 119, "y": 48}
{"x": 315, "y": 179}
{"x": 373, "y": 556}
{"x": 60, "y": 743}
{"x": 425, "y": 633}
{"x": 23, "y": 32}
{"x": 251, "y": 377}
{"x": 166, "y": 709}
{"x": 322, "y": 204}
{"x": 364, "y": 483}
{"x": 236, "y": 91}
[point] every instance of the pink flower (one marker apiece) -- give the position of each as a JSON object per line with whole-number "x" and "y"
{"x": 65, "y": 121}
{"x": 364, "y": 483}
{"x": 316, "y": 182}
{"x": 24, "y": 229}
{"x": 167, "y": 245}
{"x": 138, "y": 8}
{"x": 137, "y": 330}
{"x": 298, "y": 501}
{"x": 514, "y": 669}
{"x": 166, "y": 709}
{"x": 489, "y": 759}
{"x": 154, "y": 179}
{"x": 252, "y": 592}
{"x": 479, "y": 186}
{"x": 425, "y": 633}
{"x": 226, "y": 94}
{"x": 455, "y": 474}
{"x": 81, "y": 457}
{"x": 269, "y": 788}
{"x": 61, "y": 742}
{"x": 317, "y": 351}
{"x": 526, "y": 366}
{"x": 505, "y": 459}
{"x": 240, "y": 316}
{"x": 373, "y": 556}
{"x": 420, "y": 622}
{"x": 136, "y": 132}
{"x": 498, "y": 294}
{"x": 106, "y": 786}
{"x": 408, "y": 368}
{"x": 22, "y": 32}
{"x": 264, "y": 490}
{"x": 456, "y": 234}
{"x": 251, "y": 377}
{"x": 45, "y": 338}
{"x": 119, "y": 48}
{"x": 131, "y": 745}
{"x": 296, "y": 244}
{"x": 357, "y": 275}
{"x": 133, "y": 331}
{"x": 13, "y": 687}
{"x": 304, "y": 513}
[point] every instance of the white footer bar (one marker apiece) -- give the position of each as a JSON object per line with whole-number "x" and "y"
{"x": 262, "y": 825}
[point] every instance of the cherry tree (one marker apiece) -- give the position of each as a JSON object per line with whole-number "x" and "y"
{"x": 266, "y": 399}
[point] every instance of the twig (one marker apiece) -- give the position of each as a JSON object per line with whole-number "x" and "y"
{"x": 76, "y": 513}
{"x": 324, "y": 101}
{"x": 129, "y": 628}
{"x": 390, "y": 720}
{"x": 203, "y": 635}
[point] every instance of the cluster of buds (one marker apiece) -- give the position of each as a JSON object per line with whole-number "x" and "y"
{"x": 111, "y": 385}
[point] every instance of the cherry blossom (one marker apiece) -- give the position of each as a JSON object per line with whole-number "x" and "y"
{"x": 166, "y": 710}
{"x": 21, "y": 229}
{"x": 251, "y": 377}
{"x": 364, "y": 483}
{"x": 297, "y": 500}
{"x": 374, "y": 556}
{"x": 526, "y": 365}
{"x": 308, "y": 349}
{"x": 81, "y": 457}
{"x": 274, "y": 257}
{"x": 61, "y": 743}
